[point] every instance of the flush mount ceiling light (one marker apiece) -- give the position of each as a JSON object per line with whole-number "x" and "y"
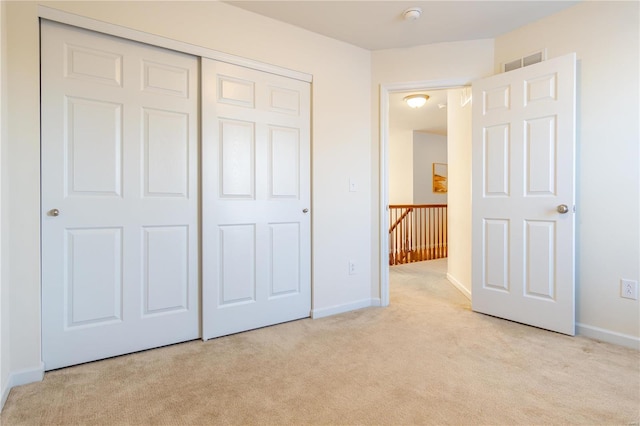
{"x": 412, "y": 14}
{"x": 416, "y": 101}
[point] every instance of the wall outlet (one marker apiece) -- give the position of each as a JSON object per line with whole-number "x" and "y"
{"x": 352, "y": 267}
{"x": 629, "y": 289}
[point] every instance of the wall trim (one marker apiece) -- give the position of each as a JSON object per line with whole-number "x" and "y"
{"x": 347, "y": 307}
{"x": 608, "y": 336}
{"x": 383, "y": 196}
{"x": 5, "y": 394}
{"x": 160, "y": 41}
{"x": 465, "y": 291}
{"x": 22, "y": 377}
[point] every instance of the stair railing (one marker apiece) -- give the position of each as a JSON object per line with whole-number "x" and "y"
{"x": 417, "y": 232}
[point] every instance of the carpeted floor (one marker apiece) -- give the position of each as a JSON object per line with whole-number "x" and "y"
{"x": 426, "y": 359}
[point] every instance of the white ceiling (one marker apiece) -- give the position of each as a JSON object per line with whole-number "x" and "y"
{"x": 429, "y": 118}
{"x": 376, "y": 25}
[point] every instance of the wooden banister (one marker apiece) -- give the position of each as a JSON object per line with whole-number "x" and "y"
{"x": 397, "y": 222}
{"x": 417, "y": 232}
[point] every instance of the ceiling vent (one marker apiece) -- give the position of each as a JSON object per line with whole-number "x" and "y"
{"x": 530, "y": 59}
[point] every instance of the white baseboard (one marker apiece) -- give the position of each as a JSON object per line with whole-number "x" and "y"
{"x": 459, "y": 286}
{"x": 5, "y": 394}
{"x": 22, "y": 377}
{"x": 608, "y": 336}
{"x": 347, "y": 307}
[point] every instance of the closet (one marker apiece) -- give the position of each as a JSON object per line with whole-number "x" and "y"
{"x": 174, "y": 197}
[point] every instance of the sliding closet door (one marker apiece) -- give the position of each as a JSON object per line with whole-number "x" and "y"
{"x": 119, "y": 196}
{"x": 256, "y": 195}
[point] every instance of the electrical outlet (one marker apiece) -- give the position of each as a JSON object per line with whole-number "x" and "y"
{"x": 352, "y": 267}
{"x": 629, "y": 289}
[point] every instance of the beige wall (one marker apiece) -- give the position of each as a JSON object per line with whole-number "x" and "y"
{"x": 605, "y": 37}
{"x": 467, "y": 60}
{"x": 400, "y": 166}
{"x": 4, "y": 287}
{"x": 340, "y": 144}
{"x": 459, "y": 148}
{"x": 428, "y": 148}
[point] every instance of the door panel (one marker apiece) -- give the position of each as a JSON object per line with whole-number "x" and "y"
{"x": 540, "y": 259}
{"x": 237, "y": 273}
{"x": 540, "y": 151}
{"x": 284, "y": 164}
{"x": 237, "y": 162}
{"x": 256, "y": 187}
{"x": 523, "y": 169}
{"x": 120, "y": 167}
{"x": 285, "y": 259}
{"x": 496, "y": 161}
{"x": 93, "y": 283}
{"x": 94, "y": 146}
{"x": 165, "y": 79}
{"x": 496, "y": 237}
{"x": 166, "y": 272}
{"x": 166, "y": 153}
{"x": 92, "y": 65}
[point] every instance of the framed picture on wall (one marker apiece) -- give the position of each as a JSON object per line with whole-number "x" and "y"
{"x": 440, "y": 178}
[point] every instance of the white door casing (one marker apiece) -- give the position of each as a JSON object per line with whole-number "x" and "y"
{"x": 120, "y": 168}
{"x": 256, "y": 199}
{"x": 523, "y": 170}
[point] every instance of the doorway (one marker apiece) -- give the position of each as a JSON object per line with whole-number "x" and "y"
{"x": 458, "y": 165}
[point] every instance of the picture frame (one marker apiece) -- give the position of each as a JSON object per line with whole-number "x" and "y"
{"x": 440, "y": 178}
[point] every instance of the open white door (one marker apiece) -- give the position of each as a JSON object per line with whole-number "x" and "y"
{"x": 256, "y": 191}
{"x": 523, "y": 195}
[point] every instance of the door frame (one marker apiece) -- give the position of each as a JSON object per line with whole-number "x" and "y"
{"x": 383, "y": 196}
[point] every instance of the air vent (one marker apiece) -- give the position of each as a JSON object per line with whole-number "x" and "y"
{"x": 530, "y": 59}
{"x": 513, "y": 65}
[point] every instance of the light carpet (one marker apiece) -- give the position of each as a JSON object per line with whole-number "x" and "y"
{"x": 426, "y": 359}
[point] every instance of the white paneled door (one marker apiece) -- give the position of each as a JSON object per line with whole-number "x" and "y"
{"x": 256, "y": 194}
{"x": 119, "y": 196}
{"x": 523, "y": 195}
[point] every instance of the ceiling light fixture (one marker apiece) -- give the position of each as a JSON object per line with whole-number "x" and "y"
{"x": 412, "y": 14}
{"x": 416, "y": 101}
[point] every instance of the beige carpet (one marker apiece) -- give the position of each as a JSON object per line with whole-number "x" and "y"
{"x": 426, "y": 359}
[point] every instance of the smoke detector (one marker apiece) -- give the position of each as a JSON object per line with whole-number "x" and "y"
{"x": 412, "y": 14}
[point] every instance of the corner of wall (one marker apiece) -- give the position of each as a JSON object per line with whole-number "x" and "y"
{"x": 4, "y": 393}
{"x": 19, "y": 378}
{"x": 4, "y": 388}
{"x": 457, "y": 284}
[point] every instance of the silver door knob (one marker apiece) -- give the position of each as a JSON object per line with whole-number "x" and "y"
{"x": 563, "y": 208}
{"x": 54, "y": 212}
{"x": 305, "y": 210}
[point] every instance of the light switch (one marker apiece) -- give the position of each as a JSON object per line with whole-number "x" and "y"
{"x": 353, "y": 186}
